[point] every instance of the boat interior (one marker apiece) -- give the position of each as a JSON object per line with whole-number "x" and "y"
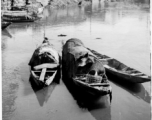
{"x": 46, "y": 67}
{"x": 115, "y": 65}
{"x": 92, "y": 80}
{"x": 121, "y": 67}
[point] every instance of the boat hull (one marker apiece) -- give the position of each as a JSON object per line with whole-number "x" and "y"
{"x": 118, "y": 71}
{"x": 45, "y": 65}
{"x": 91, "y": 91}
{"x": 19, "y": 19}
{"x": 126, "y": 78}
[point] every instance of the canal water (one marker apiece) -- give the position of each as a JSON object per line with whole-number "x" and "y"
{"x": 120, "y": 29}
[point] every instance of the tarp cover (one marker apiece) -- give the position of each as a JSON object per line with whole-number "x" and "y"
{"x": 46, "y": 49}
{"x": 79, "y": 51}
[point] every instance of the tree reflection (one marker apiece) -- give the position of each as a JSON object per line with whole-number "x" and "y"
{"x": 6, "y": 33}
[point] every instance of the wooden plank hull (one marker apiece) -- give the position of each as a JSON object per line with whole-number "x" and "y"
{"x": 121, "y": 71}
{"x": 19, "y": 19}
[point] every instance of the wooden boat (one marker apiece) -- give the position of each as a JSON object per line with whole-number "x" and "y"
{"x": 78, "y": 72}
{"x": 19, "y": 16}
{"x": 121, "y": 71}
{"x": 45, "y": 65}
{"x": 5, "y": 24}
{"x": 26, "y": 13}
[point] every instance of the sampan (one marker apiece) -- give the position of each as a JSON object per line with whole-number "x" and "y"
{"x": 83, "y": 69}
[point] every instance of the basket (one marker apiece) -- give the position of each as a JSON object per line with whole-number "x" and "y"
{"x": 94, "y": 79}
{"x": 90, "y": 78}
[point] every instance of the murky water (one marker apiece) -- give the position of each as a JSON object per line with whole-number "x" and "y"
{"x": 118, "y": 29}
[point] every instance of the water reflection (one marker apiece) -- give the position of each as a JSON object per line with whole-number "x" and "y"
{"x": 65, "y": 15}
{"x": 112, "y": 12}
{"x": 136, "y": 89}
{"x": 4, "y": 45}
{"x": 128, "y": 4}
{"x": 98, "y": 11}
{"x": 6, "y": 33}
{"x": 98, "y": 107}
{"x": 101, "y": 113}
{"x": 95, "y": 12}
{"x": 5, "y": 36}
{"x": 42, "y": 94}
{"x": 88, "y": 10}
{"x": 20, "y": 27}
{"x": 142, "y": 1}
{"x": 52, "y": 17}
{"x": 84, "y": 99}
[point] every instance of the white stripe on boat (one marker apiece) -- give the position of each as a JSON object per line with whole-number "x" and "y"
{"x": 136, "y": 74}
{"x": 42, "y": 76}
{"x": 45, "y": 66}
